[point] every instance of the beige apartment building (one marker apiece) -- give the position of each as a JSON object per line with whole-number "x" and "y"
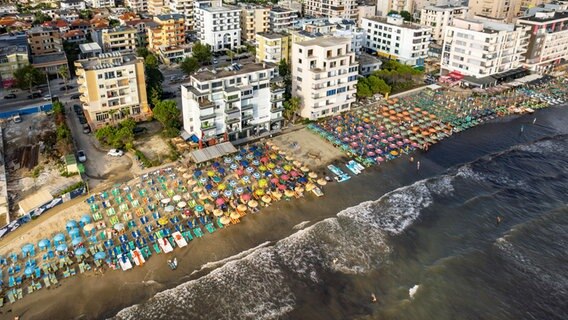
{"x": 324, "y": 76}
{"x": 112, "y": 88}
{"x": 44, "y": 40}
{"x": 169, "y": 31}
{"x": 119, "y": 39}
{"x": 253, "y": 21}
{"x": 504, "y": 10}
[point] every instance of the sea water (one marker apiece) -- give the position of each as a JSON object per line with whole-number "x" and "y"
{"x": 432, "y": 249}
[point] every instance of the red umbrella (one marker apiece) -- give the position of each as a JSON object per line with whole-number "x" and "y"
{"x": 220, "y": 201}
{"x": 282, "y": 187}
{"x": 284, "y": 177}
{"x": 274, "y": 180}
{"x": 294, "y": 173}
{"x": 240, "y": 172}
{"x": 245, "y": 197}
{"x": 264, "y": 159}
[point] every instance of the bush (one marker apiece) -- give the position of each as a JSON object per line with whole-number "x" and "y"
{"x": 145, "y": 161}
{"x": 72, "y": 187}
{"x": 174, "y": 154}
{"x": 37, "y": 171}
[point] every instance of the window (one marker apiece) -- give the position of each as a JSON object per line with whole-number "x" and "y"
{"x": 331, "y": 92}
{"x": 341, "y": 90}
{"x": 352, "y": 78}
{"x": 216, "y": 84}
{"x": 299, "y": 79}
{"x": 299, "y": 60}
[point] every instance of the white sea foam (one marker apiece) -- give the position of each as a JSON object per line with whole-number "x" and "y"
{"x": 240, "y": 255}
{"x": 301, "y": 225}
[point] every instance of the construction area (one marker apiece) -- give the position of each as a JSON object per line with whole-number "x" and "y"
{"x": 32, "y": 160}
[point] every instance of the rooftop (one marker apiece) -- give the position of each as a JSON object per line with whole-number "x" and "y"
{"x": 446, "y": 7}
{"x": 272, "y": 35}
{"x": 208, "y": 75}
{"x": 89, "y": 47}
{"x": 13, "y": 49}
{"x": 280, "y": 9}
{"x": 173, "y": 16}
{"x": 50, "y": 58}
{"x": 406, "y": 25}
{"x": 546, "y": 16}
{"x": 121, "y": 29}
{"x": 325, "y": 42}
{"x": 220, "y": 9}
{"x": 366, "y": 59}
{"x": 108, "y": 60}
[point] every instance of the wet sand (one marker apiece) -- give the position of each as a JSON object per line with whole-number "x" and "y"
{"x": 94, "y": 297}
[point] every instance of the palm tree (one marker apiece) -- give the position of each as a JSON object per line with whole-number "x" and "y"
{"x": 291, "y": 107}
{"x": 63, "y": 72}
{"x": 111, "y": 113}
{"x": 231, "y": 55}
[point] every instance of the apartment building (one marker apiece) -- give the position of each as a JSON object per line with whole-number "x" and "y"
{"x": 185, "y": 8}
{"x": 72, "y": 5}
{"x": 240, "y": 102}
{"x": 101, "y": 3}
{"x": 346, "y": 9}
{"x": 386, "y": 6}
{"x": 137, "y": 5}
{"x": 365, "y": 11}
{"x": 253, "y": 21}
{"x": 504, "y": 10}
{"x": 155, "y": 7}
{"x": 44, "y": 40}
{"x": 272, "y": 47}
{"x": 12, "y": 57}
{"x": 169, "y": 30}
{"x": 324, "y": 76}
{"x": 439, "y": 17}
{"x": 481, "y": 47}
{"x": 118, "y": 39}
{"x": 112, "y": 88}
{"x": 218, "y": 26}
{"x": 281, "y": 19}
{"x": 548, "y": 40}
{"x": 392, "y": 37}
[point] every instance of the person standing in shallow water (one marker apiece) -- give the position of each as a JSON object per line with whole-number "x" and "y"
{"x": 417, "y": 165}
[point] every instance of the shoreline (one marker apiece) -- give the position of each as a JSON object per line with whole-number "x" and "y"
{"x": 122, "y": 289}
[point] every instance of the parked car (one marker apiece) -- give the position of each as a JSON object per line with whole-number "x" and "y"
{"x": 47, "y": 97}
{"x": 34, "y": 95}
{"x": 66, "y": 88}
{"x": 139, "y": 130}
{"x": 10, "y": 96}
{"x": 17, "y": 118}
{"x": 82, "y": 119}
{"x": 115, "y": 153}
{"x": 78, "y": 109}
{"x": 81, "y": 156}
{"x": 86, "y": 128}
{"x": 75, "y": 96}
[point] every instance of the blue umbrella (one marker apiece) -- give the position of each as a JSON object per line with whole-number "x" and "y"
{"x": 93, "y": 239}
{"x": 256, "y": 175}
{"x": 80, "y": 251}
{"x": 228, "y": 193}
{"x": 43, "y": 243}
{"x": 302, "y": 180}
{"x": 214, "y": 194}
{"x": 144, "y": 220}
{"x": 27, "y": 248}
{"x": 59, "y": 237}
{"x": 216, "y": 179}
{"x": 255, "y": 162}
{"x": 221, "y": 170}
{"x": 239, "y": 190}
{"x": 202, "y": 180}
{"x": 61, "y": 247}
{"x": 234, "y": 166}
{"x": 86, "y": 219}
{"x": 232, "y": 183}
{"x": 123, "y": 238}
{"x": 74, "y": 233}
{"x": 71, "y": 224}
{"x": 250, "y": 169}
{"x": 208, "y": 187}
{"x": 246, "y": 178}
{"x": 228, "y": 160}
{"x": 215, "y": 164}
{"x": 199, "y": 208}
{"x": 29, "y": 271}
{"x": 197, "y": 173}
{"x": 244, "y": 163}
{"x": 76, "y": 241}
{"x": 100, "y": 255}
{"x": 238, "y": 157}
{"x": 109, "y": 243}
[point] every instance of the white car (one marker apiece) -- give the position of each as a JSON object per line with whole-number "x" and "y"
{"x": 81, "y": 156}
{"x": 47, "y": 97}
{"x": 115, "y": 153}
{"x": 17, "y": 118}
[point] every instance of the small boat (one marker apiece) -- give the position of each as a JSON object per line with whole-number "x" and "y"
{"x": 173, "y": 263}
{"x": 352, "y": 168}
{"x": 317, "y": 191}
{"x": 358, "y": 165}
{"x": 340, "y": 175}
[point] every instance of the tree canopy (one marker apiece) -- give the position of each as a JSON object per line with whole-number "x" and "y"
{"x": 202, "y": 52}
{"x": 189, "y": 65}
{"x": 154, "y": 76}
{"x": 119, "y": 136}
{"x": 168, "y": 114}
{"x": 27, "y": 77}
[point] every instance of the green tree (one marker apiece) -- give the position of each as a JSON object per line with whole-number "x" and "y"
{"x": 291, "y": 107}
{"x": 363, "y": 90}
{"x": 113, "y": 23}
{"x": 202, "y": 52}
{"x": 154, "y": 76}
{"x": 27, "y": 77}
{"x": 142, "y": 52}
{"x": 86, "y": 14}
{"x": 377, "y": 85}
{"x": 63, "y": 72}
{"x": 231, "y": 55}
{"x": 189, "y": 65}
{"x": 40, "y": 17}
{"x": 407, "y": 16}
{"x": 169, "y": 116}
{"x": 283, "y": 68}
{"x": 151, "y": 61}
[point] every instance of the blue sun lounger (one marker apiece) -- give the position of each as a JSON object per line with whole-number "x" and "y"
{"x": 198, "y": 233}
{"x": 187, "y": 235}
{"x": 157, "y": 248}
{"x": 210, "y": 228}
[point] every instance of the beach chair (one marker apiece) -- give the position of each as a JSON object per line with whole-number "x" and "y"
{"x": 46, "y": 281}
{"x": 187, "y": 235}
{"x": 18, "y": 280}
{"x": 235, "y": 221}
{"x": 190, "y": 225}
{"x": 98, "y": 263}
{"x": 11, "y": 296}
{"x": 172, "y": 241}
{"x": 198, "y": 233}
{"x": 66, "y": 273}
{"x": 114, "y": 220}
{"x": 81, "y": 268}
{"x": 54, "y": 267}
{"x": 31, "y": 288}
{"x": 19, "y": 293}
{"x": 202, "y": 220}
{"x": 131, "y": 245}
{"x": 219, "y": 224}
{"x": 11, "y": 281}
{"x": 72, "y": 271}
{"x": 146, "y": 253}
{"x": 151, "y": 238}
{"x": 53, "y": 278}
{"x": 157, "y": 248}
{"x": 37, "y": 285}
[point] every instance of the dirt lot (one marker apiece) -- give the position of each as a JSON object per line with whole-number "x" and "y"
{"x": 28, "y": 167}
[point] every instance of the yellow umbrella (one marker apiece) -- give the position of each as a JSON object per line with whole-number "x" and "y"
{"x": 277, "y": 194}
{"x": 221, "y": 187}
{"x": 217, "y": 212}
{"x": 299, "y": 189}
{"x": 241, "y": 207}
{"x": 259, "y": 192}
{"x": 210, "y": 173}
{"x": 253, "y": 204}
{"x": 191, "y": 182}
{"x": 235, "y": 215}
{"x": 271, "y": 165}
{"x": 287, "y": 167}
{"x": 208, "y": 207}
{"x": 262, "y": 168}
{"x": 262, "y": 183}
{"x": 273, "y": 156}
{"x": 163, "y": 221}
{"x": 203, "y": 196}
{"x": 266, "y": 199}
{"x": 310, "y": 186}
{"x": 312, "y": 175}
{"x": 197, "y": 189}
{"x": 225, "y": 220}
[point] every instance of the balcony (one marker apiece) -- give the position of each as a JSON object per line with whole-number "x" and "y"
{"x": 207, "y": 116}
{"x": 232, "y": 110}
{"x": 232, "y": 120}
{"x": 247, "y": 107}
{"x": 276, "y": 99}
{"x": 205, "y": 103}
{"x": 246, "y": 116}
{"x": 277, "y": 109}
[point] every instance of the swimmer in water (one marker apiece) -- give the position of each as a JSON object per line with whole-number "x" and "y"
{"x": 335, "y": 260}
{"x": 499, "y": 219}
{"x": 373, "y": 298}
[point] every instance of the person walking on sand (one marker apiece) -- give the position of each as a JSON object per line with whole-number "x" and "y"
{"x": 417, "y": 165}
{"x": 522, "y": 128}
{"x": 534, "y": 120}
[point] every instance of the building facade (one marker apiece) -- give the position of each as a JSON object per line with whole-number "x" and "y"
{"x": 169, "y": 31}
{"x": 233, "y": 103}
{"x": 346, "y": 9}
{"x": 281, "y": 19}
{"x": 112, "y": 88}
{"x": 45, "y": 40}
{"x": 253, "y": 21}
{"x": 480, "y": 48}
{"x": 392, "y": 37}
{"x": 440, "y": 17}
{"x": 324, "y": 76}
{"x": 118, "y": 39}
{"x": 272, "y": 47}
{"x": 185, "y": 8}
{"x": 12, "y": 57}
{"x": 504, "y": 10}
{"x": 548, "y": 40}
{"x": 137, "y": 5}
{"x": 218, "y": 26}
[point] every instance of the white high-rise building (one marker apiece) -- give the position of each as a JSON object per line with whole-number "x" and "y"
{"x": 481, "y": 47}
{"x": 281, "y": 19}
{"x": 137, "y": 5}
{"x": 238, "y": 103}
{"x": 218, "y": 26}
{"x": 346, "y": 9}
{"x": 392, "y": 37}
{"x": 548, "y": 41}
{"x": 440, "y": 17}
{"x": 324, "y": 76}
{"x": 101, "y": 3}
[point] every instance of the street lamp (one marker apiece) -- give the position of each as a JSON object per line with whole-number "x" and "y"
{"x": 48, "y": 86}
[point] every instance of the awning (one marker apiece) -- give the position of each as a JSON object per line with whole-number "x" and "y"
{"x": 212, "y": 152}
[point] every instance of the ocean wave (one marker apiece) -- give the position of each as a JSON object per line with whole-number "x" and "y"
{"x": 301, "y": 225}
